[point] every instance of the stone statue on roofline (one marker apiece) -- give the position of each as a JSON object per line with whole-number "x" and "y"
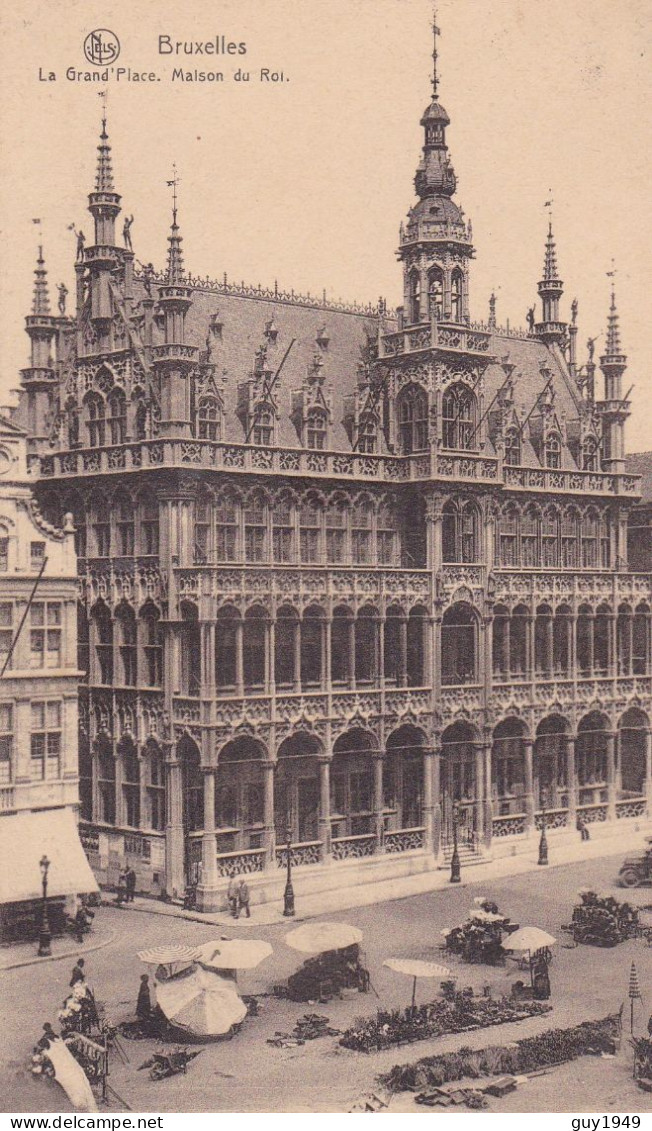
{"x": 530, "y": 318}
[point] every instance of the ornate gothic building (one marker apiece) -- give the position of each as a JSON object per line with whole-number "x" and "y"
{"x": 340, "y": 569}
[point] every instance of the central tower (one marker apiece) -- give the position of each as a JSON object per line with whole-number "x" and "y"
{"x": 435, "y": 245}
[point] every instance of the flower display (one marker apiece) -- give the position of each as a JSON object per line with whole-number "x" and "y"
{"x": 479, "y": 938}
{"x": 600, "y": 920}
{"x": 456, "y": 1012}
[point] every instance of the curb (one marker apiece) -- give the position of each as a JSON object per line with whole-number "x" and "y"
{"x": 72, "y": 953}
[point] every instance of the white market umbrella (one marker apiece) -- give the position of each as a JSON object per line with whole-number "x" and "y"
{"x": 173, "y": 959}
{"x": 529, "y": 938}
{"x": 203, "y": 1004}
{"x": 417, "y": 968}
{"x": 316, "y": 938}
{"x": 233, "y": 954}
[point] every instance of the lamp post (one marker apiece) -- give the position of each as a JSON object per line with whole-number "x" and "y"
{"x": 543, "y": 843}
{"x": 288, "y": 894}
{"x": 45, "y": 937}
{"x": 456, "y": 876}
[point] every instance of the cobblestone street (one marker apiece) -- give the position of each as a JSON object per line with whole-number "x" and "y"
{"x": 246, "y": 1074}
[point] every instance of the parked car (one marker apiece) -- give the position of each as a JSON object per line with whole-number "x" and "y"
{"x": 636, "y": 870}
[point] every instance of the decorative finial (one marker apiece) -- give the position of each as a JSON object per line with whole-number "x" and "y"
{"x": 176, "y": 179}
{"x": 175, "y": 257}
{"x": 435, "y": 32}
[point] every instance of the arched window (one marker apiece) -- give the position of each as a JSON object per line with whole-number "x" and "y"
{"x": 312, "y": 635}
{"x": 95, "y": 422}
{"x": 283, "y": 529}
{"x": 436, "y": 294}
{"x": 208, "y": 419}
{"x": 226, "y": 529}
{"x": 501, "y": 642}
{"x": 416, "y": 647}
{"x": 386, "y": 534}
{"x": 512, "y": 447}
{"x": 192, "y": 784}
{"x": 641, "y": 640}
{"x": 83, "y": 639}
{"x": 570, "y": 535}
{"x": 155, "y": 778}
{"x": 456, "y": 295}
{"x": 126, "y": 624}
{"x": 254, "y": 647}
{"x": 458, "y": 645}
{"x": 602, "y": 640}
{"x": 458, "y": 418}
{"x": 584, "y": 638}
{"x": 152, "y": 637}
{"x": 285, "y": 647}
{"x": 459, "y": 532}
{"x": 255, "y": 528}
{"x": 530, "y": 556}
{"x": 316, "y": 430}
{"x": 550, "y": 538}
{"x": 361, "y": 524}
{"x": 552, "y": 451}
{"x": 263, "y": 429}
{"x": 148, "y": 542}
{"x": 366, "y": 644}
{"x": 140, "y": 420}
{"x": 106, "y": 780}
{"x": 130, "y": 781}
{"x": 562, "y": 631}
{"x": 590, "y": 446}
{"x": 590, "y": 539}
{"x": 117, "y": 416}
{"x": 124, "y": 516}
{"x": 309, "y": 530}
{"x": 415, "y": 297}
{"x": 395, "y": 647}
{"x": 412, "y": 409}
{"x": 342, "y": 645}
{"x": 190, "y": 649}
{"x": 73, "y": 424}
{"x": 518, "y": 635}
{"x": 336, "y": 524}
{"x": 227, "y": 629}
{"x": 543, "y": 641}
{"x": 103, "y": 631}
{"x": 507, "y": 542}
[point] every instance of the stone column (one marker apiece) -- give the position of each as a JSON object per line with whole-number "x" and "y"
{"x": 488, "y": 803}
{"x": 174, "y": 834}
{"x": 269, "y": 833}
{"x": 325, "y": 807}
{"x": 436, "y": 801}
{"x": 207, "y": 894}
{"x": 529, "y": 784}
{"x": 351, "y": 673}
{"x": 296, "y": 655}
{"x": 427, "y": 805}
{"x": 328, "y": 652}
{"x": 571, "y": 780}
{"x": 648, "y": 770}
{"x": 271, "y": 655}
{"x": 550, "y": 650}
{"x": 402, "y": 653}
{"x": 239, "y": 658}
{"x": 379, "y": 802}
{"x": 611, "y": 776}
{"x": 479, "y": 789}
{"x": 381, "y": 652}
{"x": 529, "y": 637}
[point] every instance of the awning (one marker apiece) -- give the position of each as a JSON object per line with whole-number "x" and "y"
{"x": 24, "y": 838}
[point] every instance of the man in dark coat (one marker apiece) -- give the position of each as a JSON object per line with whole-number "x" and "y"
{"x": 144, "y": 1001}
{"x": 78, "y": 973}
{"x": 130, "y": 877}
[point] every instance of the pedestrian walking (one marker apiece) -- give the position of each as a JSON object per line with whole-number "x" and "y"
{"x": 144, "y": 1001}
{"x": 78, "y": 972}
{"x": 582, "y": 829}
{"x": 122, "y": 886}
{"x": 232, "y": 896}
{"x": 243, "y": 898}
{"x": 130, "y": 881}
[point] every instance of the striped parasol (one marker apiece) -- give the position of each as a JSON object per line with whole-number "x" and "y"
{"x": 634, "y": 987}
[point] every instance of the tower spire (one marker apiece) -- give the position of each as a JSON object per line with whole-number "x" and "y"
{"x": 550, "y": 289}
{"x": 175, "y": 254}
{"x": 41, "y": 299}
{"x": 613, "y": 348}
{"x": 613, "y": 409}
{"x": 435, "y": 32}
{"x": 104, "y": 175}
{"x": 550, "y": 273}
{"x": 104, "y": 201}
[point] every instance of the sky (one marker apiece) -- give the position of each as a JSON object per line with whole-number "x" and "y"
{"x": 306, "y": 180}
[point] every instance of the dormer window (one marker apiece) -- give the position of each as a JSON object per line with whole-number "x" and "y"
{"x": 208, "y": 419}
{"x": 412, "y": 407}
{"x": 118, "y": 416}
{"x": 456, "y": 295}
{"x": 415, "y": 297}
{"x": 316, "y": 430}
{"x": 367, "y": 434}
{"x": 590, "y": 454}
{"x": 263, "y": 430}
{"x": 552, "y": 451}
{"x": 458, "y": 418}
{"x": 512, "y": 447}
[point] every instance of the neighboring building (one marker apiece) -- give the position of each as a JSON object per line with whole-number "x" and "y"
{"x": 639, "y": 532}
{"x": 339, "y": 569}
{"x": 39, "y": 799}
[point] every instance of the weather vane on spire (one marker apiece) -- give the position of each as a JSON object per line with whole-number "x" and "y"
{"x": 435, "y": 32}
{"x": 548, "y": 204}
{"x": 173, "y": 185}
{"x": 104, "y": 95}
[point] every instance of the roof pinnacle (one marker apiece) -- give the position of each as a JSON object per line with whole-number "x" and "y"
{"x": 175, "y": 255}
{"x": 41, "y": 299}
{"x": 550, "y": 272}
{"x": 435, "y": 32}
{"x": 104, "y": 175}
{"x": 613, "y": 348}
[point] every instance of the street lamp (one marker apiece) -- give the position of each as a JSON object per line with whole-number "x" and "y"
{"x": 45, "y": 937}
{"x": 543, "y": 843}
{"x": 288, "y": 894}
{"x": 456, "y": 876}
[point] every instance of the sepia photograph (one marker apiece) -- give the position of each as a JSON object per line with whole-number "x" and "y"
{"x": 325, "y": 559}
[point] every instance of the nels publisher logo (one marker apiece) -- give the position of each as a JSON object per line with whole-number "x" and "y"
{"x": 101, "y": 47}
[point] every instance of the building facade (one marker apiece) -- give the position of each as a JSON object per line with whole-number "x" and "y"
{"x": 38, "y": 694}
{"x": 345, "y": 573}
